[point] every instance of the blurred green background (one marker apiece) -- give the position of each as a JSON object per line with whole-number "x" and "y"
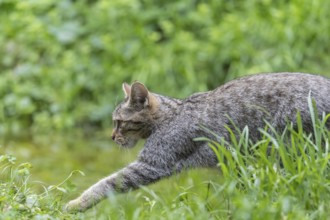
{"x": 62, "y": 62}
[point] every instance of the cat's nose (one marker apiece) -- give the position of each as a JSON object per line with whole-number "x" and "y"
{"x": 113, "y": 135}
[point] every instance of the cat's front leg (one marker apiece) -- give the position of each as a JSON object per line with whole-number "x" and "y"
{"x": 92, "y": 195}
{"x": 131, "y": 177}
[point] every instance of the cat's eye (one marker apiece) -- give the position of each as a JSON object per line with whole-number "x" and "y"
{"x": 127, "y": 124}
{"x": 131, "y": 122}
{"x": 117, "y": 123}
{"x": 136, "y": 122}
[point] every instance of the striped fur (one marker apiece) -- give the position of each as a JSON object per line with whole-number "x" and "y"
{"x": 170, "y": 125}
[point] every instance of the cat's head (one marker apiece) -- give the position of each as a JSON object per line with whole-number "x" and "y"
{"x": 133, "y": 118}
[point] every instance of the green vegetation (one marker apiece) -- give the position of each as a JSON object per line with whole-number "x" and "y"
{"x": 62, "y": 63}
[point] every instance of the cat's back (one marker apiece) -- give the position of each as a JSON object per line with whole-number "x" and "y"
{"x": 265, "y": 90}
{"x": 250, "y": 100}
{"x": 273, "y": 88}
{"x": 267, "y": 83}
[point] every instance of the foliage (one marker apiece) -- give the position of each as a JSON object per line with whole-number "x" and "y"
{"x": 62, "y": 62}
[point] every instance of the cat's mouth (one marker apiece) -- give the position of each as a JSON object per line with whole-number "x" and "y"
{"x": 126, "y": 142}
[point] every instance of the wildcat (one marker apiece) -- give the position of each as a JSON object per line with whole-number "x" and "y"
{"x": 170, "y": 125}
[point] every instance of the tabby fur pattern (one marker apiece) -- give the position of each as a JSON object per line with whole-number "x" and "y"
{"x": 170, "y": 125}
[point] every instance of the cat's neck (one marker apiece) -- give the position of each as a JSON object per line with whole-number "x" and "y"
{"x": 168, "y": 107}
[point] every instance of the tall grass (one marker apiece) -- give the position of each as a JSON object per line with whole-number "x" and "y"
{"x": 293, "y": 181}
{"x": 282, "y": 176}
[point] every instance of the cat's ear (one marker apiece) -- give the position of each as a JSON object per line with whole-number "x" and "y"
{"x": 139, "y": 96}
{"x": 127, "y": 90}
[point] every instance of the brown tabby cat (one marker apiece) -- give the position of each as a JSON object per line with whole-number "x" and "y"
{"x": 170, "y": 125}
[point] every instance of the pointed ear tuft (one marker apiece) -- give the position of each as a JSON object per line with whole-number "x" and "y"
{"x": 139, "y": 95}
{"x": 127, "y": 90}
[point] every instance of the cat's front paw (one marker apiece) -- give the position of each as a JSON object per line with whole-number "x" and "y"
{"x": 76, "y": 205}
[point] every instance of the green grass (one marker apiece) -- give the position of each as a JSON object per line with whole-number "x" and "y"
{"x": 291, "y": 181}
